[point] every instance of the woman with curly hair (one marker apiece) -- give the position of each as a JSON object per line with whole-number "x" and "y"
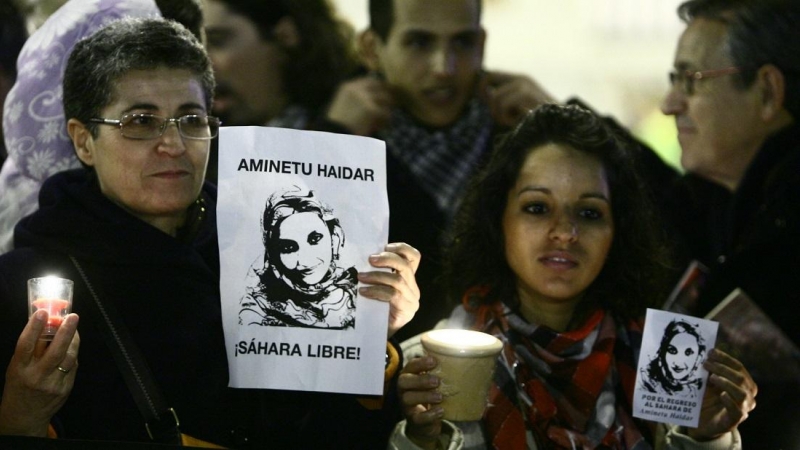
{"x": 555, "y": 253}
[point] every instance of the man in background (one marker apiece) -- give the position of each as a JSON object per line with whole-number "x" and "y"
{"x": 735, "y": 96}
{"x": 277, "y": 62}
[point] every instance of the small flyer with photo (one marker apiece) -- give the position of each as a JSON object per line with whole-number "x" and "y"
{"x": 670, "y": 379}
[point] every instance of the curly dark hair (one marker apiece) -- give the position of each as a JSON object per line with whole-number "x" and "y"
{"x": 635, "y": 274}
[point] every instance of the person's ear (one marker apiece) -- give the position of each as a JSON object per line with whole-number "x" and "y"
{"x": 369, "y": 44}
{"x": 286, "y": 32}
{"x": 82, "y": 140}
{"x": 772, "y": 90}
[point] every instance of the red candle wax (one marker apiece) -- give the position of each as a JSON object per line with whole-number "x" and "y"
{"x": 55, "y": 307}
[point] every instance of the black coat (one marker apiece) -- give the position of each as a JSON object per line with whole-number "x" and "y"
{"x": 754, "y": 241}
{"x": 167, "y": 290}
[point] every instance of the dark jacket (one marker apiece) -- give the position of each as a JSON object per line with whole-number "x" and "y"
{"x": 415, "y": 218}
{"x": 754, "y": 238}
{"x": 755, "y": 234}
{"x": 167, "y": 291}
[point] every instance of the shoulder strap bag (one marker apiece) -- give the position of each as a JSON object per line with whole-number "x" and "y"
{"x": 160, "y": 420}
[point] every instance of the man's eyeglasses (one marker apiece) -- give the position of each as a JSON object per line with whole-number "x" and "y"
{"x": 151, "y": 126}
{"x": 685, "y": 79}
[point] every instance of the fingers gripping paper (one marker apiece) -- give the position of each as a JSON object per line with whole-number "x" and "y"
{"x": 299, "y": 212}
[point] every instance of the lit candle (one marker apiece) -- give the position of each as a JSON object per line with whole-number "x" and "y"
{"x": 54, "y": 295}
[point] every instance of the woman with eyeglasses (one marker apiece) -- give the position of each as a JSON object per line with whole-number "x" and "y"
{"x": 34, "y": 125}
{"x": 135, "y": 229}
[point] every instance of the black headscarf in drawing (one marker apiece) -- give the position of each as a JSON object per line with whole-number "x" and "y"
{"x": 282, "y": 205}
{"x": 658, "y": 372}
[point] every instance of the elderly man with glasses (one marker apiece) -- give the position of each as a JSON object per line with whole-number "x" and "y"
{"x": 735, "y": 96}
{"x": 736, "y": 100}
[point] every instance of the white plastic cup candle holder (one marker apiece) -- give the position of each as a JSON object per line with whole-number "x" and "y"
{"x": 54, "y": 295}
{"x": 466, "y": 365}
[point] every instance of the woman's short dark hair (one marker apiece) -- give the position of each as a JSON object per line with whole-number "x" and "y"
{"x": 99, "y": 61}
{"x": 635, "y": 270}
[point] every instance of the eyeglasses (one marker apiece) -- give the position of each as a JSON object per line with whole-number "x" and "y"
{"x": 687, "y": 78}
{"x": 151, "y": 126}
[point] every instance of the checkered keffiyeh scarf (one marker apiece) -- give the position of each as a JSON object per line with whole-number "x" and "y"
{"x": 570, "y": 390}
{"x": 441, "y": 161}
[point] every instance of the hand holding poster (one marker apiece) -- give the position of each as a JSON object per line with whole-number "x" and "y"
{"x": 671, "y": 380}
{"x": 299, "y": 212}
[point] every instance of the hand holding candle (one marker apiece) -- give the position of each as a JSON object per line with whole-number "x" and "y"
{"x": 39, "y": 377}
{"x": 53, "y": 295}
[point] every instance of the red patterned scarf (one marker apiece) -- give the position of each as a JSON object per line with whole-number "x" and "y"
{"x": 561, "y": 390}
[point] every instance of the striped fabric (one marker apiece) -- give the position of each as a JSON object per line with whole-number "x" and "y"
{"x": 441, "y": 160}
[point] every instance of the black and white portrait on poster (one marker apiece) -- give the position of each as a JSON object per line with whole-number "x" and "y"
{"x": 673, "y": 370}
{"x": 671, "y": 380}
{"x": 299, "y": 213}
{"x": 299, "y": 281}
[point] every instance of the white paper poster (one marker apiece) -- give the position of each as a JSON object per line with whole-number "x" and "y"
{"x": 299, "y": 212}
{"x": 671, "y": 380}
